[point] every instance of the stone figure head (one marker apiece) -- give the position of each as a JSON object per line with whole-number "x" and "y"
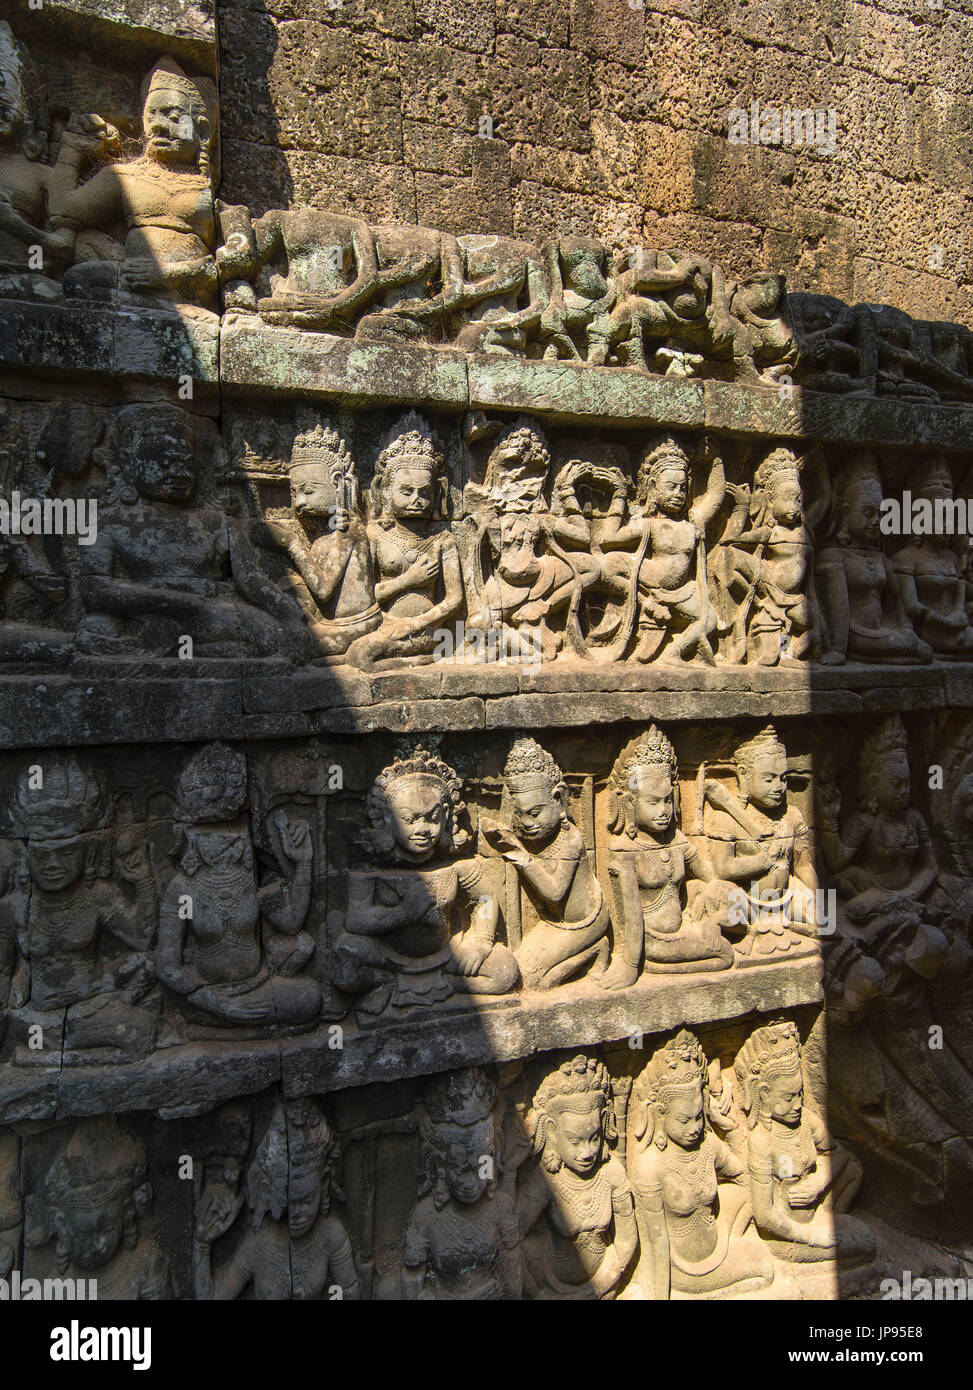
{"x": 409, "y": 476}
{"x": 663, "y": 478}
{"x": 536, "y": 792}
{"x": 150, "y": 452}
{"x": 458, "y": 1139}
{"x": 414, "y": 808}
{"x": 57, "y": 808}
{"x": 322, "y": 473}
{"x": 517, "y": 468}
{"x": 857, "y": 502}
{"x": 295, "y": 1168}
{"x": 933, "y": 479}
{"x": 13, "y": 105}
{"x": 95, "y": 1192}
{"x": 883, "y": 768}
{"x": 761, "y": 769}
{"x": 210, "y": 801}
{"x": 669, "y": 1098}
{"x": 777, "y": 490}
{"x": 573, "y": 1116}
{"x": 770, "y": 1076}
{"x": 175, "y": 121}
{"x": 643, "y": 790}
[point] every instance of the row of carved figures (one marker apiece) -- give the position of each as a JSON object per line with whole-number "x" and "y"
{"x": 105, "y": 947}
{"x": 582, "y": 562}
{"x": 583, "y": 1188}
{"x": 143, "y": 225}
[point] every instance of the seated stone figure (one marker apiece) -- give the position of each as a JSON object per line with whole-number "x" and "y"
{"x": 399, "y": 941}
{"x": 659, "y": 923}
{"x": 462, "y": 1240}
{"x": 236, "y": 956}
{"x": 164, "y": 198}
{"x": 692, "y": 1203}
{"x": 929, "y": 571}
{"x": 24, "y": 182}
{"x": 418, "y": 579}
{"x": 801, "y": 1182}
{"x": 327, "y": 542}
{"x": 90, "y": 1203}
{"x": 576, "y": 1211}
{"x": 161, "y": 568}
{"x": 85, "y": 967}
{"x": 863, "y": 615}
{"x": 531, "y": 558}
{"x": 295, "y": 1246}
{"x": 758, "y": 840}
{"x": 658, "y": 562}
{"x": 547, "y": 852}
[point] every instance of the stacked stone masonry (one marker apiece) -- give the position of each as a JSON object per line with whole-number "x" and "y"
{"x": 478, "y": 774}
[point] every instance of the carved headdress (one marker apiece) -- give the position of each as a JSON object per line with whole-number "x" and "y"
{"x": 859, "y": 474}
{"x": 651, "y": 751}
{"x": 772, "y": 1051}
{"x": 528, "y": 763}
{"x": 679, "y": 1065}
{"x": 747, "y": 753}
{"x": 421, "y": 765}
{"x": 933, "y": 477}
{"x": 887, "y": 740}
{"x": 297, "y": 1140}
{"x": 524, "y": 439}
{"x": 411, "y": 444}
{"x": 57, "y": 801}
{"x": 213, "y": 785}
{"x": 576, "y": 1086}
{"x": 319, "y": 446}
{"x": 453, "y": 1100}
{"x": 666, "y": 452}
{"x": 779, "y": 463}
{"x": 167, "y": 75}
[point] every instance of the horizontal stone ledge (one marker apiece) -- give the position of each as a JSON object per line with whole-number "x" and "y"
{"x": 166, "y": 701}
{"x": 193, "y": 1078}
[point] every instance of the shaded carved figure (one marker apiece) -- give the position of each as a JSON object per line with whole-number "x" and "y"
{"x": 84, "y": 941}
{"x": 576, "y": 1209}
{"x": 758, "y": 840}
{"x": 692, "y": 1203}
{"x": 771, "y": 608}
{"x": 24, "y": 181}
{"x": 576, "y": 322}
{"x": 162, "y": 568}
{"x": 658, "y": 564}
{"x": 547, "y": 852}
{"x": 463, "y": 1239}
{"x": 501, "y": 297}
{"x": 164, "y": 198}
{"x": 418, "y": 579}
{"x": 399, "y": 940}
{"x": 929, "y": 571}
{"x": 232, "y": 949}
{"x": 327, "y": 542}
{"x": 862, "y": 611}
{"x": 663, "y": 920}
{"x": 538, "y": 561}
{"x": 93, "y": 1196}
{"x": 294, "y": 1245}
{"x": 801, "y": 1183}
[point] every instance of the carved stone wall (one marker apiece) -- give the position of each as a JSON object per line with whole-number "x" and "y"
{"x": 484, "y": 791}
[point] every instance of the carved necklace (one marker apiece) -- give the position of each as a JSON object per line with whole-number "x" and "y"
{"x": 411, "y": 545}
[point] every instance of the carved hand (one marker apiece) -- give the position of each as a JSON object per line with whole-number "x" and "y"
{"x": 295, "y": 838}
{"x": 423, "y": 569}
{"x": 132, "y": 862}
{"x": 470, "y": 954}
{"x": 219, "y": 1207}
{"x": 91, "y": 135}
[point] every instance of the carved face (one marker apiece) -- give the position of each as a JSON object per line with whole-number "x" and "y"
{"x": 90, "y": 1233}
{"x": 410, "y": 493}
{"x": 782, "y": 1097}
{"x": 785, "y": 499}
{"x": 536, "y": 809}
{"x": 670, "y": 489}
{"x": 163, "y": 468}
{"x": 415, "y": 816}
{"x": 222, "y": 848}
{"x": 577, "y": 1136}
{"x": 174, "y": 134}
{"x": 312, "y": 493}
{"x": 55, "y": 864}
{"x": 654, "y": 799}
{"x": 11, "y": 88}
{"x": 463, "y": 1149}
{"x": 765, "y": 784}
{"x": 303, "y": 1199}
{"x": 863, "y": 512}
{"x": 682, "y": 1116}
{"x": 891, "y": 783}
